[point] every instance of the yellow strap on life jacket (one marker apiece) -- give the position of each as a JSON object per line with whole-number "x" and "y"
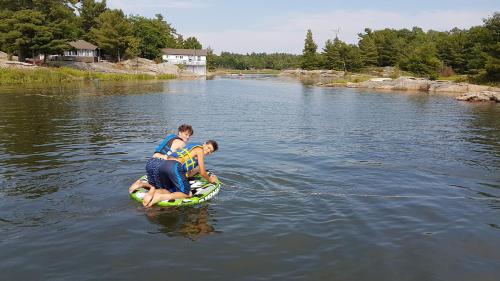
{"x": 186, "y": 155}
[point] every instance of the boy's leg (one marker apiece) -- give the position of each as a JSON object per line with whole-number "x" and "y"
{"x": 177, "y": 176}
{"x": 139, "y": 184}
{"x": 154, "y": 169}
{"x": 165, "y": 195}
{"x": 174, "y": 178}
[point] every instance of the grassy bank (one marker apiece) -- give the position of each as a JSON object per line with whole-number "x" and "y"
{"x": 64, "y": 74}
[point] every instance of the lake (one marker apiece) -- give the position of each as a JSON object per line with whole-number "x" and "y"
{"x": 319, "y": 183}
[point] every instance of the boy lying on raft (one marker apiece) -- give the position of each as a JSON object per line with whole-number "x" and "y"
{"x": 167, "y": 179}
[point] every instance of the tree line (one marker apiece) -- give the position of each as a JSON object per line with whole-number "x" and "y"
{"x": 474, "y": 51}
{"x": 32, "y": 27}
{"x": 276, "y": 61}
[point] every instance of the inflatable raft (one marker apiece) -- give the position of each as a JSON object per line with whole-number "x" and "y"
{"x": 202, "y": 191}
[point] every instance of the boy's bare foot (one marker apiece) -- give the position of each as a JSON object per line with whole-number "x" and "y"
{"x": 134, "y": 186}
{"x": 147, "y": 199}
{"x": 157, "y": 198}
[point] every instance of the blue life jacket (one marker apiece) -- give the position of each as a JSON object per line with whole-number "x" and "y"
{"x": 185, "y": 153}
{"x": 166, "y": 144}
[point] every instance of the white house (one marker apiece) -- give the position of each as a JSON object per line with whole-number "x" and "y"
{"x": 195, "y": 60}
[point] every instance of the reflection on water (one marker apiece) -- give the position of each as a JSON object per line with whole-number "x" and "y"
{"x": 192, "y": 223}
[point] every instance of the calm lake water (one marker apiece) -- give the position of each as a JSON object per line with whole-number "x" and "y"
{"x": 319, "y": 183}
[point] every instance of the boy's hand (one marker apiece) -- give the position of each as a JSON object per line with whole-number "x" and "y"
{"x": 212, "y": 179}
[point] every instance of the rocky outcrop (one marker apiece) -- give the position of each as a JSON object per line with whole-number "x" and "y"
{"x": 467, "y": 91}
{"x": 480, "y": 96}
{"x": 400, "y": 84}
{"x": 15, "y": 64}
{"x": 134, "y": 66}
{"x": 322, "y": 73}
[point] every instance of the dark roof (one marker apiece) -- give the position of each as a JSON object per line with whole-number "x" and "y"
{"x": 185, "y": 52}
{"x": 82, "y": 45}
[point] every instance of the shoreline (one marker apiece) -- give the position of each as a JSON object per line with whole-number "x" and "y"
{"x": 13, "y": 72}
{"x": 336, "y": 79}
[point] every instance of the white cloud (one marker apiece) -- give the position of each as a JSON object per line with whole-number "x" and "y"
{"x": 288, "y": 34}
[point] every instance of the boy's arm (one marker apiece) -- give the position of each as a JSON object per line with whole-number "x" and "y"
{"x": 177, "y": 144}
{"x": 201, "y": 164}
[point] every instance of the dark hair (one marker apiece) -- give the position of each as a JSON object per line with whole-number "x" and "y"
{"x": 186, "y": 127}
{"x": 214, "y": 144}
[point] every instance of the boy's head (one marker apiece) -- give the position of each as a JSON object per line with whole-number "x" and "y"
{"x": 210, "y": 146}
{"x": 185, "y": 132}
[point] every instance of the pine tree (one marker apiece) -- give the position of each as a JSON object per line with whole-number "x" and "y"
{"x": 331, "y": 54}
{"x": 309, "y": 56}
{"x": 89, "y": 11}
{"x": 369, "y": 52}
{"x": 114, "y": 34}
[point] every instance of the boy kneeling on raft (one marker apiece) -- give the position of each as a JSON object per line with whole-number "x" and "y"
{"x": 167, "y": 179}
{"x": 171, "y": 143}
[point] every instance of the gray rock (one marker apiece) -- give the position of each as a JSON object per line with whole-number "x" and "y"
{"x": 480, "y": 96}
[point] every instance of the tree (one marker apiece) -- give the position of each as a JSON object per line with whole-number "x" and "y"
{"x": 211, "y": 59}
{"x": 63, "y": 26}
{"x": 153, "y": 34}
{"x": 90, "y": 10}
{"x": 368, "y": 50}
{"x": 113, "y": 34}
{"x": 23, "y": 32}
{"x": 389, "y": 46}
{"x": 491, "y": 45}
{"x": 331, "y": 54}
{"x": 309, "y": 56}
{"x": 352, "y": 57}
{"x": 8, "y": 34}
{"x": 179, "y": 41}
{"x": 421, "y": 60}
{"x": 37, "y": 27}
{"x": 191, "y": 43}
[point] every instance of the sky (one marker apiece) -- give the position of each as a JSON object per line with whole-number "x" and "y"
{"x": 280, "y": 26}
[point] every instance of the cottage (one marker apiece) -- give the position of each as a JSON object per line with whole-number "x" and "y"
{"x": 194, "y": 59}
{"x": 82, "y": 51}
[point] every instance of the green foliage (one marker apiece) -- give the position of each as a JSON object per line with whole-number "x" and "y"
{"x": 154, "y": 35}
{"x": 331, "y": 55}
{"x": 338, "y": 55}
{"x": 452, "y": 49}
{"x": 421, "y": 60}
{"x": 37, "y": 27}
{"x": 28, "y": 32}
{"x": 491, "y": 46}
{"x": 275, "y": 61}
{"x": 89, "y": 11}
{"x": 309, "y": 55}
{"x": 113, "y": 34}
{"x": 191, "y": 43}
{"x": 211, "y": 65}
{"x": 369, "y": 53}
{"x": 32, "y": 27}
